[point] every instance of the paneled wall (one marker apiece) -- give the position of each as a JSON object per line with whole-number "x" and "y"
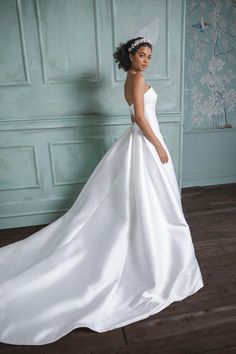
{"x": 61, "y": 94}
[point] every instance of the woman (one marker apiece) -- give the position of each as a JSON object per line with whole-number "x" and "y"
{"x": 121, "y": 253}
{"x": 136, "y": 88}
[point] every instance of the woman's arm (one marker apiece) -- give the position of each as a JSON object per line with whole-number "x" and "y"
{"x": 133, "y": 120}
{"x": 138, "y": 93}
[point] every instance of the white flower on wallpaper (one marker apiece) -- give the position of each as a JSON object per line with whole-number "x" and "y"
{"x": 215, "y": 64}
{"x": 210, "y": 64}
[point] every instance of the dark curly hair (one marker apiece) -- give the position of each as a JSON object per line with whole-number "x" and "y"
{"x": 121, "y": 55}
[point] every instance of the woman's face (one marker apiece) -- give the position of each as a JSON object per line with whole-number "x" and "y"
{"x": 141, "y": 58}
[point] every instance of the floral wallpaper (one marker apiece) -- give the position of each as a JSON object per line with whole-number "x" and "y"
{"x": 210, "y": 65}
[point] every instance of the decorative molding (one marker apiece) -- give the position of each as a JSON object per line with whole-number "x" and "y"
{"x": 84, "y": 120}
{"x": 80, "y": 141}
{"x": 211, "y": 131}
{"x": 40, "y": 212}
{"x": 23, "y": 50}
{"x": 46, "y": 81}
{"x": 35, "y": 165}
{"x": 203, "y": 175}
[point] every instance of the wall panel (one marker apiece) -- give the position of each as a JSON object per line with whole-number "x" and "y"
{"x": 62, "y": 102}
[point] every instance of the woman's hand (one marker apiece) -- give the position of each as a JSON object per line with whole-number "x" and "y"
{"x": 162, "y": 153}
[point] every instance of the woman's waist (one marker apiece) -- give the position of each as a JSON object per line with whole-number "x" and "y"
{"x": 152, "y": 120}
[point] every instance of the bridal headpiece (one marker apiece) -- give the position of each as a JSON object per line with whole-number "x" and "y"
{"x": 137, "y": 42}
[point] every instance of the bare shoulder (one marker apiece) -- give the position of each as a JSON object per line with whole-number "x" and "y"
{"x": 134, "y": 88}
{"x": 138, "y": 82}
{"x": 138, "y": 86}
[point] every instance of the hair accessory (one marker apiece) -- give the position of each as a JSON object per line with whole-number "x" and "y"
{"x": 138, "y": 41}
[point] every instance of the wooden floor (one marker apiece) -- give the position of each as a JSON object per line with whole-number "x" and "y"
{"x": 205, "y": 322}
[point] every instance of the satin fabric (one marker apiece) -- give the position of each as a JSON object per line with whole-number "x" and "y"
{"x": 121, "y": 253}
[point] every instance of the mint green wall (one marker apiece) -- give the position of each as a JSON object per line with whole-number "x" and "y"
{"x": 209, "y": 147}
{"x": 62, "y": 101}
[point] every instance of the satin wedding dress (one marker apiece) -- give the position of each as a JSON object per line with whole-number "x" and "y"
{"x": 121, "y": 253}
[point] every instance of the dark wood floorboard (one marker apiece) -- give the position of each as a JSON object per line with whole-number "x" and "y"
{"x": 203, "y": 323}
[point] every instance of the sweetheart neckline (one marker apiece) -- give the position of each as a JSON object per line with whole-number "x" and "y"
{"x": 144, "y": 94}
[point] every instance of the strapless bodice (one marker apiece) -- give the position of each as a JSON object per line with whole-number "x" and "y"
{"x": 150, "y": 99}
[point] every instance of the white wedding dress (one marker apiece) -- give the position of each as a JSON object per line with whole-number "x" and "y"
{"x": 121, "y": 253}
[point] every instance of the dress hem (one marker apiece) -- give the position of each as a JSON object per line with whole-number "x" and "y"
{"x": 157, "y": 309}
